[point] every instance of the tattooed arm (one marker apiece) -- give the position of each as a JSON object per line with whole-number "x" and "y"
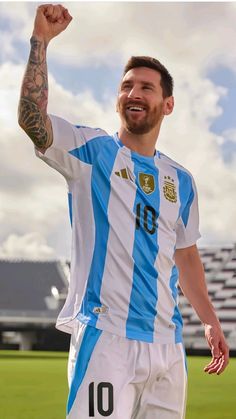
{"x": 49, "y": 22}
{"x": 34, "y": 97}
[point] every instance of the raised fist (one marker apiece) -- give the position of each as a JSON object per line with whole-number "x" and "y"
{"x": 50, "y": 20}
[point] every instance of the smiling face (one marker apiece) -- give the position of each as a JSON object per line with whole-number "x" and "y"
{"x": 140, "y": 102}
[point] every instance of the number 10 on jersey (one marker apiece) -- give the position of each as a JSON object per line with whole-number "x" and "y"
{"x": 146, "y": 217}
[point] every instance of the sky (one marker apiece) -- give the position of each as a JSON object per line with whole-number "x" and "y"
{"x": 195, "y": 41}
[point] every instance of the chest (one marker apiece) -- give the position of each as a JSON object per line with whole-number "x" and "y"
{"x": 142, "y": 187}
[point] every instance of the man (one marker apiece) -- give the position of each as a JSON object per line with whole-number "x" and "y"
{"x": 134, "y": 216}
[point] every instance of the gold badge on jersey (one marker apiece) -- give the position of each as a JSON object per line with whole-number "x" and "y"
{"x": 146, "y": 182}
{"x": 169, "y": 189}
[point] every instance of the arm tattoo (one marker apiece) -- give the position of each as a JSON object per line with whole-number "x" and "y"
{"x": 38, "y": 51}
{"x": 34, "y": 97}
{"x": 33, "y": 123}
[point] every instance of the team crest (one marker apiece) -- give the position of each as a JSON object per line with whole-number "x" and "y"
{"x": 146, "y": 182}
{"x": 169, "y": 189}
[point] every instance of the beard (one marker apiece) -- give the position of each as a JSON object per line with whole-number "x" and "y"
{"x": 142, "y": 125}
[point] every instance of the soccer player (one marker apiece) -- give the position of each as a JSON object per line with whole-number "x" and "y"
{"x": 134, "y": 216}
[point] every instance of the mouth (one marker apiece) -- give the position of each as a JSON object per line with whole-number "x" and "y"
{"x": 135, "y": 108}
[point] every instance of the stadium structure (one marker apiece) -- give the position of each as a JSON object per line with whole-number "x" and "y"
{"x": 33, "y": 292}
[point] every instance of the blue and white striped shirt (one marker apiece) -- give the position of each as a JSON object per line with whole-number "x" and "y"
{"x": 129, "y": 213}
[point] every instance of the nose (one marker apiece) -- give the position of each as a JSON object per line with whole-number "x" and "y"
{"x": 134, "y": 93}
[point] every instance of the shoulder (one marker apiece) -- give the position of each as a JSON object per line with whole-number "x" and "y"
{"x": 61, "y": 125}
{"x": 91, "y": 133}
{"x": 168, "y": 161}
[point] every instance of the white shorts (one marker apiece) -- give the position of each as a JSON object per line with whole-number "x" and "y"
{"x": 119, "y": 378}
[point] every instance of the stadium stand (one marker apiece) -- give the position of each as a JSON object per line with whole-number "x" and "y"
{"x": 32, "y": 294}
{"x": 220, "y": 269}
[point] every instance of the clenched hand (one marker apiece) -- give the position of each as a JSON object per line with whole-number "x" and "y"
{"x": 50, "y": 21}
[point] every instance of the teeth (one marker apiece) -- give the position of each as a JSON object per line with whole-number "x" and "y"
{"x": 135, "y": 108}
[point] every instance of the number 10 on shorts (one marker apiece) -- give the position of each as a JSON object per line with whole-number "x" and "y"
{"x": 104, "y": 396}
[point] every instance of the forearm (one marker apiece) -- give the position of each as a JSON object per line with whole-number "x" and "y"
{"x": 32, "y": 112}
{"x": 197, "y": 295}
{"x": 193, "y": 285}
{"x": 50, "y": 21}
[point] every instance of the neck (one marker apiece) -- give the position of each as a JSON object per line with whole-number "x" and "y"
{"x": 143, "y": 144}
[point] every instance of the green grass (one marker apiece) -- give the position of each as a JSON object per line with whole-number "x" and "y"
{"x": 33, "y": 385}
{"x": 211, "y": 396}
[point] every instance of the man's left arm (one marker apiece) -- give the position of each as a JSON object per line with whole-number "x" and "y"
{"x": 193, "y": 284}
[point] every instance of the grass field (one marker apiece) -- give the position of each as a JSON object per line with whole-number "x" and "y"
{"x": 33, "y": 386}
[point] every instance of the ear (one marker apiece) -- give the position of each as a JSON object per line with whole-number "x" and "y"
{"x": 168, "y": 105}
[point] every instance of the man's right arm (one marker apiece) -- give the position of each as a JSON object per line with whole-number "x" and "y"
{"x": 32, "y": 113}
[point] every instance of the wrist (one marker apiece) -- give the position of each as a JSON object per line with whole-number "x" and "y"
{"x": 39, "y": 37}
{"x": 213, "y": 323}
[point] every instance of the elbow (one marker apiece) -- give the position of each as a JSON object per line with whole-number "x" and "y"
{"x": 21, "y": 118}
{"x": 23, "y": 121}
{"x": 20, "y": 123}
{"x": 24, "y": 114}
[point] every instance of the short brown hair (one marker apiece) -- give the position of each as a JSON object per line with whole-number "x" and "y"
{"x": 167, "y": 82}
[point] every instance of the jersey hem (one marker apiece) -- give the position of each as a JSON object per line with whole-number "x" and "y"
{"x": 143, "y": 337}
{"x": 67, "y": 325}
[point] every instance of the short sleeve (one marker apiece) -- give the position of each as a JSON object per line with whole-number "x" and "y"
{"x": 66, "y": 139}
{"x": 187, "y": 228}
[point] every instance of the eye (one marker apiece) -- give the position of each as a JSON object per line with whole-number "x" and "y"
{"x": 147, "y": 88}
{"x": 126, "y": 86}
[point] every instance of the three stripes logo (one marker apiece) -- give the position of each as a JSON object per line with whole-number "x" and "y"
{"x": 125, "y": 174}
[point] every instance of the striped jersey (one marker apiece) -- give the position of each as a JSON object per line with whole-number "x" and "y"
{"x": 128, "y": 213}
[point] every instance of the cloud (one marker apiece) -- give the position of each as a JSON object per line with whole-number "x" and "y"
{"x": 33, "y": 196}
{"x": 230, "y": 135}
{"x": 186, "y": 136}
{"x": 181, "y": 34}
{"x": 82, "y": 107}
{"x": 29, "y": 246}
